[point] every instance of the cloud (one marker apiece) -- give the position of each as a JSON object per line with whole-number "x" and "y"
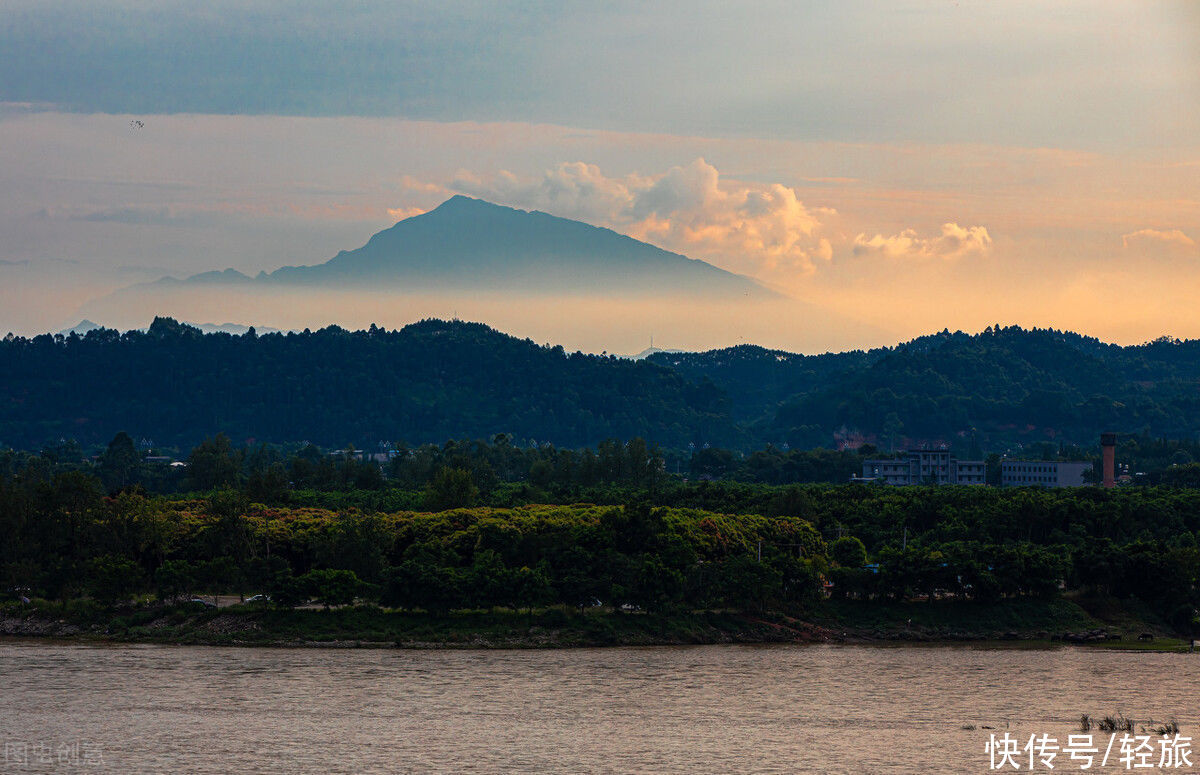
{"x": 688, "y": 209}
{"x": 953, "y": 243}
{"x": 570, "y": 190}
{"x": 400, "y": 213}
{"x": 1153, "y": 240}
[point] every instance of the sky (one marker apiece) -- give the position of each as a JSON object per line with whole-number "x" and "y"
{"x": 893, "y": 168}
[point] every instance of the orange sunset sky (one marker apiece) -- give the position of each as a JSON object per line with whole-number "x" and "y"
{"x": 893, "y": 169}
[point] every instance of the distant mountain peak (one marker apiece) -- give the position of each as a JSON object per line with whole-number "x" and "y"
{"x": 472, "y": 246}
{"x": 468, "y": 243}
{"x": 80, "y": 328}
{"x": 461, "y": 202}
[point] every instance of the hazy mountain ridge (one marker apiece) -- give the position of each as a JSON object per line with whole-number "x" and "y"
{"x": 781, "y": 374}
{"x": 237, "y": 329}
{"x": 1041, "y": 384}
{"x": 426, "y": 382}
{"x": 435, "y": 380}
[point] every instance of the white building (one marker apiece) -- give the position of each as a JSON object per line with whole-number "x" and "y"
{"x": 925, "y": 466}
{"x": 1042, "y": 473}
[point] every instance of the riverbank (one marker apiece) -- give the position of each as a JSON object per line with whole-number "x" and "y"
{"x": 1105, "y": 623}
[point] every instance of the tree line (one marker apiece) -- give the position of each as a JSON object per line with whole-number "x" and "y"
{"x": 1006, "y": 386}
{"x": 396, "y": 476}
{"x": 435, "y": 380}
{"x": 427, "y": 382}
{"x": 676, "y": 544}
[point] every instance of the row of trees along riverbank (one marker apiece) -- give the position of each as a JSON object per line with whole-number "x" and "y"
{"x": 748, "y": 547}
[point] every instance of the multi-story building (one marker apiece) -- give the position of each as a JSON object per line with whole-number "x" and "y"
{"x": 1042, "y": 473}
{"x": 925, "y": 466}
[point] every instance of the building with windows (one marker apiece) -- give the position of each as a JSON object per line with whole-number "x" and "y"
{"x": 924, "y": 466}
{"x": 1042, "y": 473}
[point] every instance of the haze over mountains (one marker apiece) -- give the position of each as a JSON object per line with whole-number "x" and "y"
{"x": 468, "y": 244}
{"x": 537, "y": 275}
{"x": 433, "y": 380}
{"x": 82, "y": 327}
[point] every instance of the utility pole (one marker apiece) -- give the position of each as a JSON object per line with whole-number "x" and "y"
{"x": 760, "y": 550}
{"x": 904, "y": 546}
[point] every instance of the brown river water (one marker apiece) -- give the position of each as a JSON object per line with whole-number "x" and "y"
{"x": 135, "y": 710}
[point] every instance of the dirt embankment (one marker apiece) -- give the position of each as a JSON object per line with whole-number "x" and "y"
{"x": 38, "y": 627}
{"x": 369, "y": 627}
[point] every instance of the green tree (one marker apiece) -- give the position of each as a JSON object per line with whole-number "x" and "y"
{"x": 712, "y": 463}
{"x": 451, "y": 488}
{"x": 578, "y": 582}
{"x": 356, "y": 542}
{"x": 491, "y": 582}
{"x": 219, "y": 574}
{"x": 848, "y": 552}
{"x": 287, "y": 591}
{"x": 655, "y": 587}
{"x": 747, "y": 583}
{"x": 428, "y": 577}
{"x": 531, "y": 586}
{"x": 268, "y": 484}
{"x": 174, "y": 579}
{"x": 229, "y": 534}
{"x": 112, "y": 578}
{"x": 120, "y": 462}
{"x": 332, "y": 586}
{"x": 213, "y": 464}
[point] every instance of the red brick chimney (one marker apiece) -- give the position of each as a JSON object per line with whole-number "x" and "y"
{"x": 1108, "y": 450}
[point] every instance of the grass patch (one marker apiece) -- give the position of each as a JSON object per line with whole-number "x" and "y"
{"x": 1127, "y": 615}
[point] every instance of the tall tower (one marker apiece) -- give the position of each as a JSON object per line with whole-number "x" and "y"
{"x": 1108, "y": 451}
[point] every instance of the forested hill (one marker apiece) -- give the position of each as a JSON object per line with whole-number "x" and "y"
{"x": 436, "y": 380}
{"x": 1005, "y": 384}
{"x": 428, "y": 382}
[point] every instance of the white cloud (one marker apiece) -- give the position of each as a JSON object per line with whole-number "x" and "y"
{"x": 1154, "y": 240}
{"x": 400, "y": 213}
{"x": 570, "y": 190}
{"x": 953, "y": 243}
{"x": 688, "y": 209}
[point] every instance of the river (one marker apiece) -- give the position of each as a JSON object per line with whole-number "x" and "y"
{"x": 142, "y": 710}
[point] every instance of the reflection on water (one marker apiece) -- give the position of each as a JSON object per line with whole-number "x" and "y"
{"x": 718, "y": 709}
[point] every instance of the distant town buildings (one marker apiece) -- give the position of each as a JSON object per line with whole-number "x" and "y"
{"x": 1052, "y": 473}
{"x": 924, "y": 466}
{"x": 939, "y": 466}
{"x": 1042, "y": 473}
